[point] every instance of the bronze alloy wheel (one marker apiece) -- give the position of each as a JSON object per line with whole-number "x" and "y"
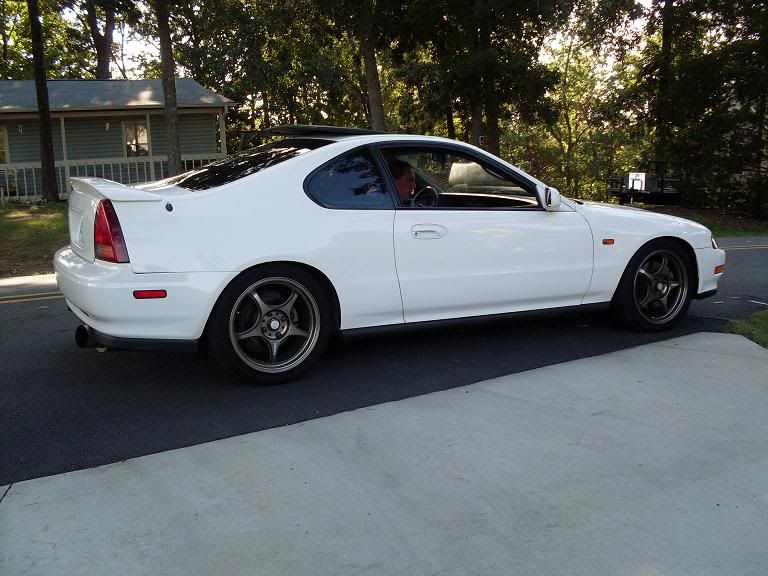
{"x": 661, "y": 286}
{"x": 274, "y": 325}
{"x": 655, "y": 290}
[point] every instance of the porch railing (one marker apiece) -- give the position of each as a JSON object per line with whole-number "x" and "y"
{"x": 22, "y": 182}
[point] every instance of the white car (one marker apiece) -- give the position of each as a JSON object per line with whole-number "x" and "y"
{"x": 266, "y": 254}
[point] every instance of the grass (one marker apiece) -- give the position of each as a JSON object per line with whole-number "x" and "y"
{"x": 29, "y": 237}
{"x": 755, "y": 328}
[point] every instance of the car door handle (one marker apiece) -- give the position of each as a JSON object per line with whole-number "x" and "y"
{"x": 428, "y": 231}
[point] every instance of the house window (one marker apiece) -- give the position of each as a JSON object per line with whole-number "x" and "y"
{"x": 4, "y": 156}
{"x": 136, "y": 138}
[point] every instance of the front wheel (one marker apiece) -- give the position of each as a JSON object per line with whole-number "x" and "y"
{"x": 655, "y": 291}
{"x": 271, "y": 324}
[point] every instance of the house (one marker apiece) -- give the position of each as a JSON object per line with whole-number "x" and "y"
{"x": 112, "y": 129}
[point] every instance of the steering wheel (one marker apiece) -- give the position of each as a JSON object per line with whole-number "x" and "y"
{"x": 427, "y": 197}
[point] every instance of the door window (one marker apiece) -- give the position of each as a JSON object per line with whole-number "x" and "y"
{"x": 427, "y": 177}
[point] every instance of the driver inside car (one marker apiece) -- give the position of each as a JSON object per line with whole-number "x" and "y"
{"x": 405, "y": 183}
{"x": 405, "y": 180}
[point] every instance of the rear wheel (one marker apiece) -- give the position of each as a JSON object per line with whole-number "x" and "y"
{"x": 655, "y": 291}
{"x": 271, "y": 324}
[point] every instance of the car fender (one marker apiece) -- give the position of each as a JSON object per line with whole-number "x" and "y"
{"x": 619, "y": 232}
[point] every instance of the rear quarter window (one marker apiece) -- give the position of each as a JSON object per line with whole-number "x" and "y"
{"x": 246, "y": 163}
{"x": 352, "y": 181}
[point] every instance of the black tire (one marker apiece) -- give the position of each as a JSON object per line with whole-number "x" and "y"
{"x": 655, "y": 291}
{"x": 270, "y": 324}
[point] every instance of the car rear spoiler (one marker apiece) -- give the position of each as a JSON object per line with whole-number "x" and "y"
{"x": 114, "y": 191}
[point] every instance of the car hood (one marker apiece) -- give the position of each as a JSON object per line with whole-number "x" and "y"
{"x": 583, "y": 205}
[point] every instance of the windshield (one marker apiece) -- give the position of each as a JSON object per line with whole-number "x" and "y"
{"x": 245, "y": 163}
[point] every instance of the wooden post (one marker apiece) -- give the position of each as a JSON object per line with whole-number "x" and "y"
{"x": 151, "y": 153}
{"x": 64, "y": 156}
{"x": 223, "y": 131}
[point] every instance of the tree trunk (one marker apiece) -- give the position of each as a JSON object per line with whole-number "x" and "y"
{"x": 476, "y": 94}
{"x": 762, "y": 109}
{"x": 663, "y": 112}
{"x": 6, "y": 40}
{"x": 169, "y": 86}
{"x": 477, "y": 122}
{"x": 450, "y": 126}
{"x": 102, "y": 42}
{"x": 492, "y": 141}
{"x": 47, "y": 162}
{"x": 760, "y": 205}
{"x": 372, "y": 82}
{"x": 292, "y": 107}
{"x": 266, "y": 122}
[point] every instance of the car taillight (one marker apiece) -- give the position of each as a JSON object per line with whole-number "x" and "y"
{"x": 108, "y": 240}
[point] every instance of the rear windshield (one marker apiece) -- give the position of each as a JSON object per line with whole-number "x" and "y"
{"x": 246, "y": 163}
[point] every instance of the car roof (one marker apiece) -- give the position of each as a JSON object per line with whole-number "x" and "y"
{"x": 361, "y": 136}
{"x": 342, "y": 133}
{"x": 317, "y": 130}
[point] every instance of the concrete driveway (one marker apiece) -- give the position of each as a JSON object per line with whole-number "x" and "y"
{"x": 645, "y": 462}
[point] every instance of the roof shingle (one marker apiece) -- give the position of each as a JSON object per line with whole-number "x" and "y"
{"x": 71, "y": 95}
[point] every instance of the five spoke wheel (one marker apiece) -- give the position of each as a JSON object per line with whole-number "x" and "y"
{"x": 661, "y": 286}
{"x": 271, "y": 323}
{"x": 655, "y": 291}
{"x": 274, "y": 324}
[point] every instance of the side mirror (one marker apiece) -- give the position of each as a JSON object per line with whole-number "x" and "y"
{"x": 550, "y": 198}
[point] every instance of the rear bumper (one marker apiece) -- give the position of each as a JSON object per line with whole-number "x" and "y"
{"x": 100, "y": 294}
{"x": 145, "y": 344}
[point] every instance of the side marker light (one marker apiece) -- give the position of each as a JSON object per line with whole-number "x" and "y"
{"x": 719, "y": 269}
{"x": 149, "y": 294}
{"x": 608, "y": 241}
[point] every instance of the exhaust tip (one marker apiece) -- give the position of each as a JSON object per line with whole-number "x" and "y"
{"x": 84, "y": 337}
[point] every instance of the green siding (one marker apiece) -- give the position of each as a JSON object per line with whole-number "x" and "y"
{"x": 158, "y": 135}
{"x": 197, "y": 134}
{"x": 24, "y": 146}
{"x": 89, "y": 138}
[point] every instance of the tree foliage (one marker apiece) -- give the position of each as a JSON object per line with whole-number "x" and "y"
{"x": 573, "y": 90}
{"x": 714, "y": 125}
{"x": 66, "y": 49}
